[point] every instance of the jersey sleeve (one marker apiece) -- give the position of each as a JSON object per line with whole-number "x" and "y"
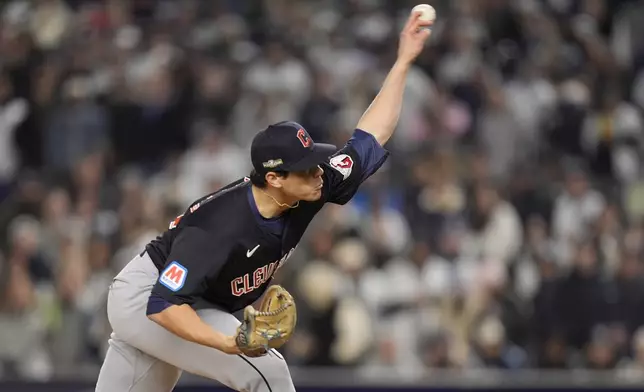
{"x": 197, "y": 256}
{"x": 361, "y": 157}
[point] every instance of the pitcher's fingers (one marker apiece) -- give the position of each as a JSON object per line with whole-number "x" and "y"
{"x": 413, "y": 18}
{"x": 425, "y": 23}
{"x": 420, "y": 24}
{"x": 424, "y": 34}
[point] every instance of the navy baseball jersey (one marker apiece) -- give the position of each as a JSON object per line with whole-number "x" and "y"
{"x": 222, "y": 253}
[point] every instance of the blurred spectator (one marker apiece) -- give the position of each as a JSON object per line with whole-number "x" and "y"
{"x": 435, "y": 353}
{"x": 214, "y": 163}
{"x": 385, "y": 229}
{"x": 314, "y": 339}
{"x": 320, "y": 112}
{"x": 13, "y": 112}
{"x": 582, "y": 298}
{"x": 565, "y": 126}
{"x": 496, "y": 233}
{"x": 611, "y": 138}
{"x": 436, "y": 201}
{"x": 24, "y": 248}
{"x": 492, "y": 348}
{"x": 601, "y": 352}
{"x": 629, "y": 293}
{"x": 502, "y": 136}
{"x": 632, "y": 368}
{"x": 554, "y": 354}
{"x": 75, "y": 129}
{"x": 24, "y": 324}
{"x": 575, "y": 209}
{"x": 547, "y": 332}
{"x": 283, "y": 83}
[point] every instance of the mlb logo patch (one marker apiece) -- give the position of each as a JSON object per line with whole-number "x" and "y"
{"x": 174, "y": 276}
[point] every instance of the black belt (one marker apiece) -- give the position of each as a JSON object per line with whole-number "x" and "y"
{"x": 143, "y": 253}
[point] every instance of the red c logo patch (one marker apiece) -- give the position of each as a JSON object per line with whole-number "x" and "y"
{"x": 304, "y": 138}
{"x": 343, "y": 163}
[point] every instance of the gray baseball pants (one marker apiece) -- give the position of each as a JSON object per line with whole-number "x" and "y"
{"x": 145, "y": 357}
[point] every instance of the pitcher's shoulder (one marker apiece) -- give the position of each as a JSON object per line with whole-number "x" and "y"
{"x": 223, "y": 208}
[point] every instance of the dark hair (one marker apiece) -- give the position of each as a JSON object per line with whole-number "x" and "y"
{"x": 259, "y": 179}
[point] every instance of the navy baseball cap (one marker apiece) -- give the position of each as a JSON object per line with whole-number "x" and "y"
{"x": 287, "y": 147}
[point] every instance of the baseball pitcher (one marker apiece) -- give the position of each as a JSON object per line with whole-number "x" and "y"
{"x": 171, "y": 307}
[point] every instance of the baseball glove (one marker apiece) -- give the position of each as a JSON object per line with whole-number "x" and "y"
{"x": 270, "y": 326}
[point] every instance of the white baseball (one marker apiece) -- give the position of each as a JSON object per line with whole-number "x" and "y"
{"x": 427, "y": 12}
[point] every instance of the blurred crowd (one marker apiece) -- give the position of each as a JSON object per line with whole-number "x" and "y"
{"x": 505, "y": 231}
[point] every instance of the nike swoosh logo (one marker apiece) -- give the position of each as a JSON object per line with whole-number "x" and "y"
{"x": 249, "y": 253}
